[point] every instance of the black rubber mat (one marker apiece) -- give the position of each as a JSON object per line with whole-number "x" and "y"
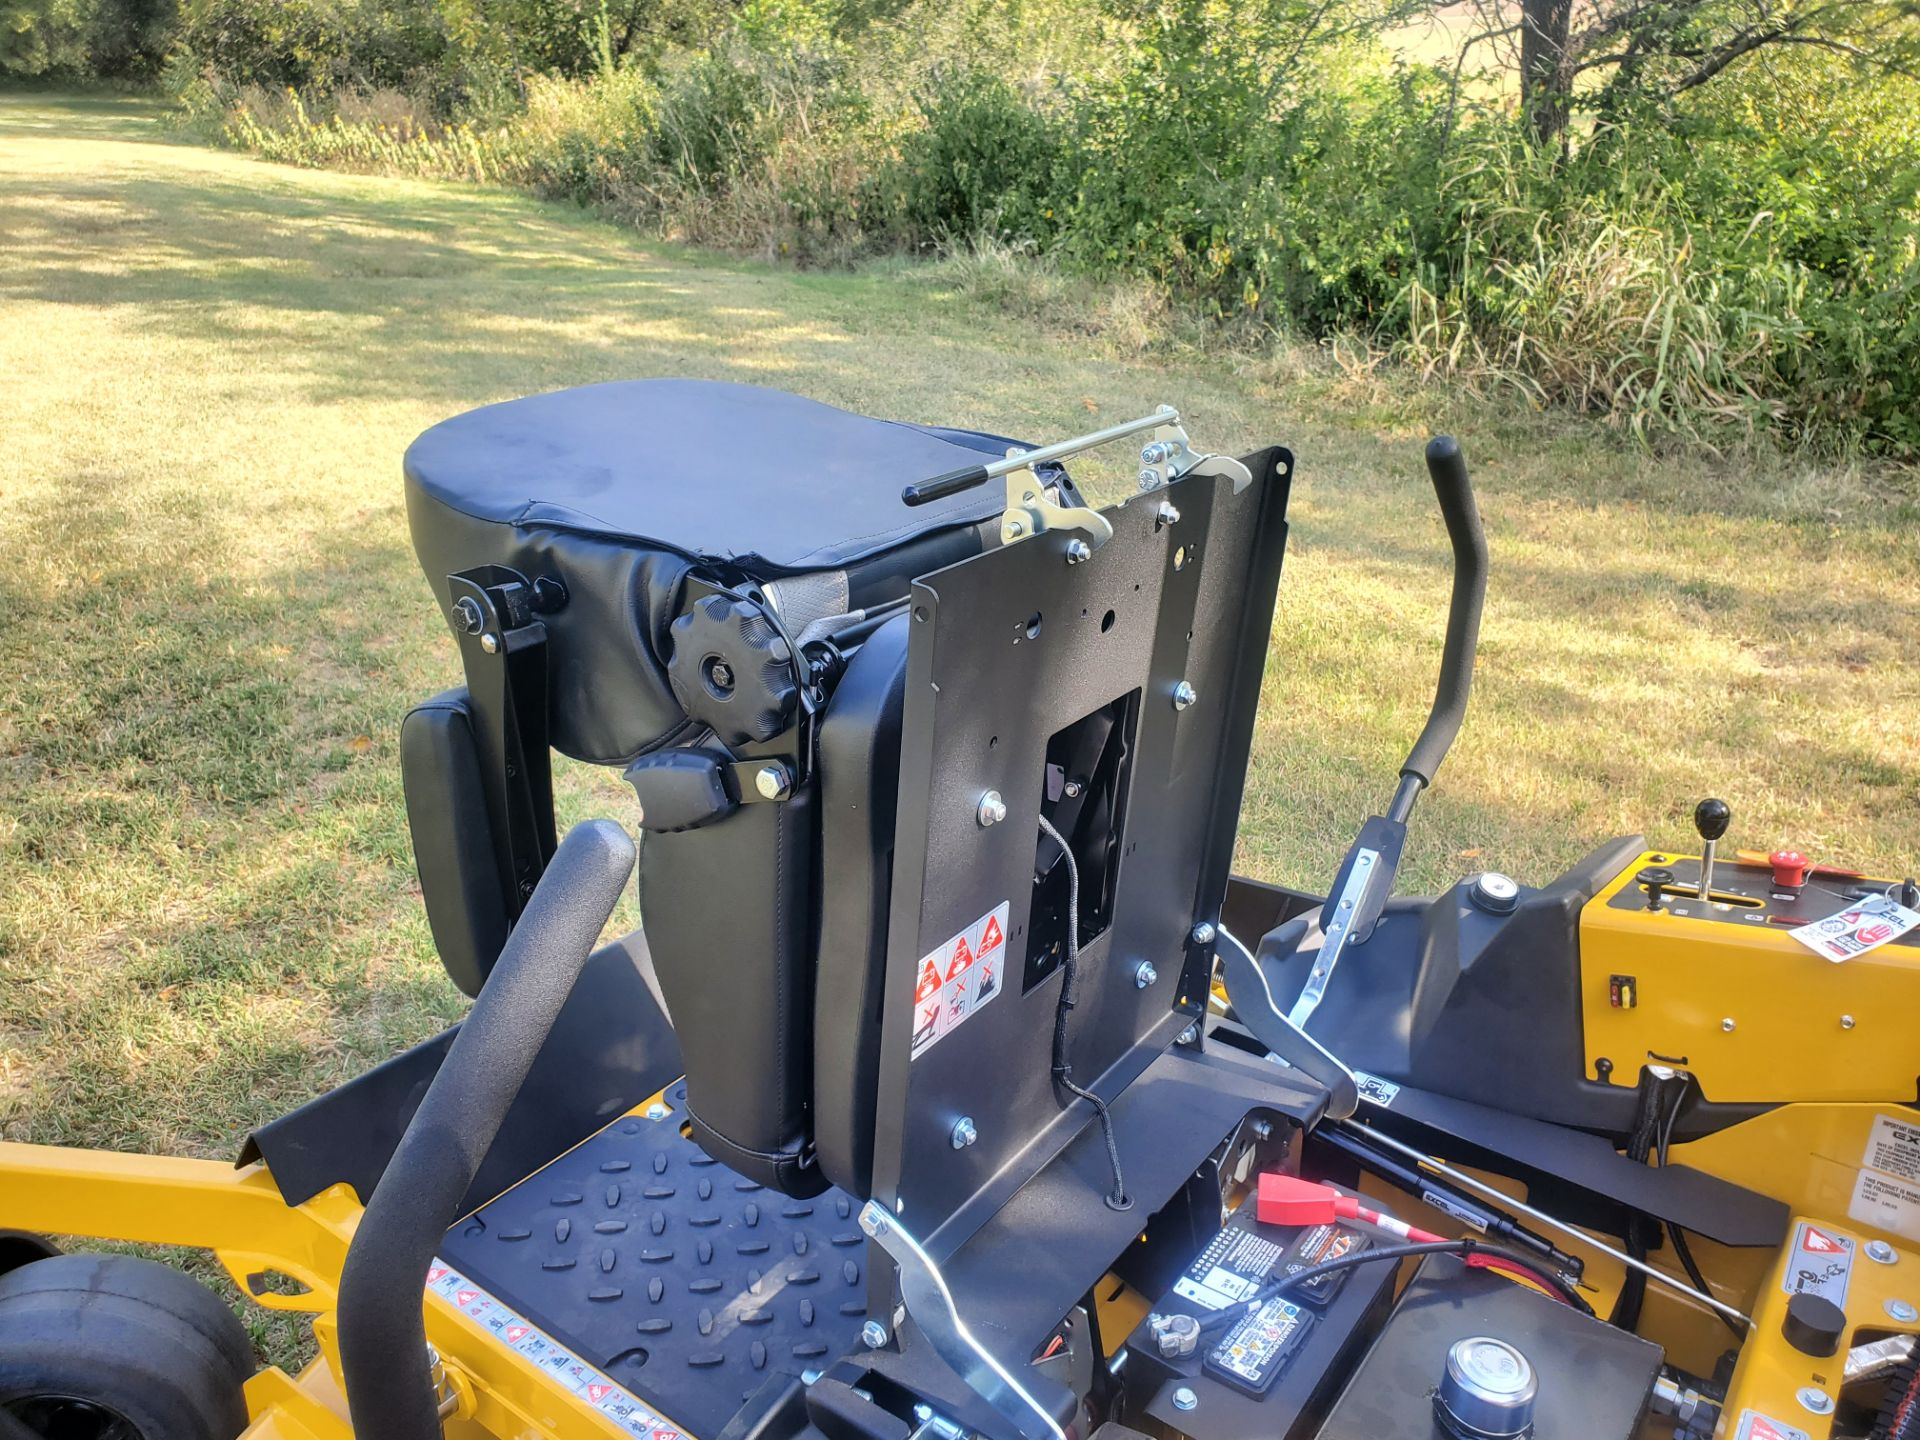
{"x": 685, "y": 1283}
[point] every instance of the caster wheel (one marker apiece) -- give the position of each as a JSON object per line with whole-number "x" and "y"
{"x": 110, "y": 1347}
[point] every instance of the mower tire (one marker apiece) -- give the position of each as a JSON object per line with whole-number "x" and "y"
{"x": 110, "y": 1347}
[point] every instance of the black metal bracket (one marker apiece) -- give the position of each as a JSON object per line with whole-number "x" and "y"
{"x": 504, "y": 650}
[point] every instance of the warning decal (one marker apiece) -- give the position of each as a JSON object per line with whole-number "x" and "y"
{"x": 1821, "y": 1263}
{"x": 553, "y": 1358}
{"x": 1886, "y": 1192}
{"x": 957, "y": 977}
{"x": 1755, "y": 1426}
{"x": 1374, "y": 1090}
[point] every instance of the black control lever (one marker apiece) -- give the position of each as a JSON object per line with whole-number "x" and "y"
{"x": 1365, "y": 879}
{"x": 1448, "y": 467}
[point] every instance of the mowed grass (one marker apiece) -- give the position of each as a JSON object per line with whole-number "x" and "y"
{"x": 211, "y": 621}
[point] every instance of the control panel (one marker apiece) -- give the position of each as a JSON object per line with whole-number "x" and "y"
{"x": 1769, "y": 976}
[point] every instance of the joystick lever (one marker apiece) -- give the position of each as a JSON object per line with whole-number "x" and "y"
{"x": 1711, "y": 818}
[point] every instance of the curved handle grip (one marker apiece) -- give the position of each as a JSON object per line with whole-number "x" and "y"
{"x": 383, "y": 1338}
{"x": 941, "y": 486}
{"x": 1455, "y": 492}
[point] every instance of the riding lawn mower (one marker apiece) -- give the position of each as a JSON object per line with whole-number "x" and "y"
{"x": 952, "y": 1086}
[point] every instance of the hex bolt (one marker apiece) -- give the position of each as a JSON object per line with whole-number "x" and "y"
{"x": 1846, "y": 1022}
{"x": 1166, "y": 514}
{"x": 1903, "y": 1311}
{"x": 1187, "y": 1036}
{"x": 1149, "y": 480}
{"x": 490, "y": 643}
{"x": 1184, "y": 695}
{"x": 1184, "y": 1398}
{"x": 873, "y": 1335}
{"x": 1078, "y": 552}
{"x": 1727, "y": 1025}
{"x": 1144, "y": 975}
{"x": 1881, "y": 1253}
{"x": 964, "y": 1133}
{"x": 1813, "y": 1398}
{"x": 992, "y": 809}
{"x": 1262, "y": 1129}
{"x": 656, "y": 1111}
{"x": 466, "y": 614}
{"x": 773, "y": 782}
{"x": 1204, "y": 933}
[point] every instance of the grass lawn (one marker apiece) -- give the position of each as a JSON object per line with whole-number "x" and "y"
{"x": 213, "y": 622}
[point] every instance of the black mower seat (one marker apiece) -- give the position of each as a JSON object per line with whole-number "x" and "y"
{"x": 773, "y": 482}
{"x": 617, "y": 491}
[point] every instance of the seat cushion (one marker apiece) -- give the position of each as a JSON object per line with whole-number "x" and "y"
{"x": 773, "y": 482}
{"x": 617, "y": 491}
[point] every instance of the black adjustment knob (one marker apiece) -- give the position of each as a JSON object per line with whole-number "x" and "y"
{"x": 732, "y": 670}
{"x": 1656, "y": 880}
{"x": 1711, "y": 818}
{"x": 1814, "y": 1325}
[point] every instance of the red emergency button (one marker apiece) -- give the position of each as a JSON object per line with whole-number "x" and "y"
{"x": 1789, "y": 869}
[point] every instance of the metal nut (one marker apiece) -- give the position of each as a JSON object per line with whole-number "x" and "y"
{"x": 1184, "y": 1398}
{"x": 1166, "y": 514}
{"x": 1813, "y": 1398}
{"x": 773, "y": 782}
{"x": 964, "y": 1133}
{"x": 1144, "y": 975}
{"x": 1727, "y": 1024}
{"x": 1149, "y": 480}
{"x": 1204, "y": 933}
{"x": 490, "y": 643}
{"x": 873, "y": 1335}
{"x": 1846, "y": 1022}
{"x": 992, "y": 809}
{"x": 1078, "y": 552}
{"x": 656, "y": 1111}
{"x": 1881, "y": 1253}
{"x": 1903, "y": 1311}
{"x": 1184, "y": 695}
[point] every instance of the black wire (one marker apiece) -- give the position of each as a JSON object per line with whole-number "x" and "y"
{"x": 1681, "y": 1250}
{"x": 1070, "y": 975}
{"x": 1465, "y": 1247}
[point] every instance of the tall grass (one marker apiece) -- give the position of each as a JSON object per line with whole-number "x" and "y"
{"x": 1745, "y": 268}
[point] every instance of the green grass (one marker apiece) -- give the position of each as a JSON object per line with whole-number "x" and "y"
{"x": 211, "y": 621}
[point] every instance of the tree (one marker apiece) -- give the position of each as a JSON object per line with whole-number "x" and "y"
{"x": 1605, "y": 56}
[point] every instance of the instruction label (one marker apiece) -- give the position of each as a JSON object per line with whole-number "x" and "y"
{"x": 1821, "y": 1263}
{"x": 554, "y": 1359}
{"x": 1755, "y": 1426}
{"x": 1374, "y": 1090}
{"x": 1865, "y": 925}
{"x": 1886, "y": 1192}
{"x": 956, "y": 979}
{"x": 1235, "y": 1264}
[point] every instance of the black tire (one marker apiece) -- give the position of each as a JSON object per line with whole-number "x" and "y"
{"x": 110, "y": 1347}
{"x": 23, "y": 1247}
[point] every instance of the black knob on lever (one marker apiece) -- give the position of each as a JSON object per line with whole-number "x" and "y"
{"x": 1711, "y": 818}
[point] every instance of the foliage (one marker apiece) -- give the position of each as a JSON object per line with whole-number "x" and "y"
{"x": 1705, "y": 259}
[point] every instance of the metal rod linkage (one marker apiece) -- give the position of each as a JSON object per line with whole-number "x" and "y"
{"x": 1461, "y": 1177}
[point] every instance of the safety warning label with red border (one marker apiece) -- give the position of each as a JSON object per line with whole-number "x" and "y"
{"x": 553, "y": 1358}
{"x": 1821, "y": 1263}
{"x": 958, "y": 977}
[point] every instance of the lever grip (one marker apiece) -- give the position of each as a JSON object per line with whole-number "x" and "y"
{"x": 1455, "y": 492}
{"x": 383, "y": 1340}
{"x": 941, "y": 486}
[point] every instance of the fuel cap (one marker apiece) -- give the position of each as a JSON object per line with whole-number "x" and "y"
{"x": 1495, "y": 893}
{"x": 1487, "y": 1391}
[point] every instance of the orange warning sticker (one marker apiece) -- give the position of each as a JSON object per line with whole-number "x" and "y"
{"x": 957, "y": 977}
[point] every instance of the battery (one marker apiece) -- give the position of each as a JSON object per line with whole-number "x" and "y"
{"x": 1315, "y": 1246}
{"x": 1258, "y": 1347}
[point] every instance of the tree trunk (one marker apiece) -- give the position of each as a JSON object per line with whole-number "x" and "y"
{"x": 1546, "y": 74}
